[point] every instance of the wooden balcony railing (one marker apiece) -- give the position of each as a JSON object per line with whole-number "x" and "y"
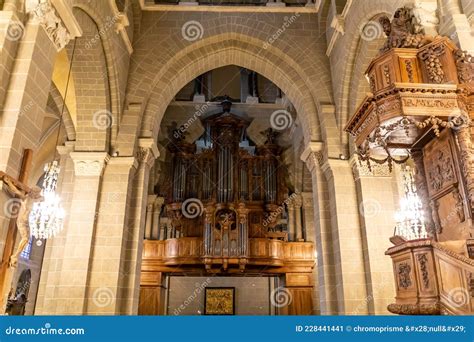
{"x": 262, "y": 252}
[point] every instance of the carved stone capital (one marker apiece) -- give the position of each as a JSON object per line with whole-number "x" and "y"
{"x": 159, "y": 201}
{"x": 43, "y": 12}
{"x": 146, "y": 152}
{"x": 297, "y": 200}
{"x": 313, "y": 155}
{"x": 361, "y": 170}
{"x": 89, "y": 164}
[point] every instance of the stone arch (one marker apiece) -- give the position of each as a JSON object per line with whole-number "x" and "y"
{"x": 91, "y": 86}
{"x": 55, "y": 103}
{"x": 226, "y": 49}
{"x": 350, "y": 47}
{"x": 105, "y": 19}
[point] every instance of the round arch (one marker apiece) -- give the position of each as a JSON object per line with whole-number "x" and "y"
{"x": 296, "y": 79}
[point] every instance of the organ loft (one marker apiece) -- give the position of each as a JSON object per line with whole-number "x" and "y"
{"x": 226, "y": 204}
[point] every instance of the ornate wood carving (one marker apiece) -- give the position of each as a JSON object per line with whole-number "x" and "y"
{"x": 401, "y": 31}
{"x": 423, "y": 261}
{"x": 404, "y": 277}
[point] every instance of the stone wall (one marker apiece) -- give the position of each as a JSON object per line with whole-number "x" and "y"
{"x": 186, "y": 294}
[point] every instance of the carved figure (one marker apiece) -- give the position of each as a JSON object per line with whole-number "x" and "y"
{"x": 401, "y": 32}
{"x": 28, "y": 199}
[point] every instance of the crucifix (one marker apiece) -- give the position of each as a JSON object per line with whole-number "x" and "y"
{"x": 28, "y": 197}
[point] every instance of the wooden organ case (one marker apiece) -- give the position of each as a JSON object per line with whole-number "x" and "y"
{"x": 422, "y": 103}
{"x": 225, "y": 200}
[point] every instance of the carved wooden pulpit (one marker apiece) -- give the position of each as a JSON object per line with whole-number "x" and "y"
{"x": 421, "y": 106}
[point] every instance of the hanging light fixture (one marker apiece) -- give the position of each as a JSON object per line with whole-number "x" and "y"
{"x": 409, "y": 218}
{"x": 47, "y": 217}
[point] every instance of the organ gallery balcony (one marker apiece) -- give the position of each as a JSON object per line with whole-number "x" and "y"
{"x": 186, "y": 252}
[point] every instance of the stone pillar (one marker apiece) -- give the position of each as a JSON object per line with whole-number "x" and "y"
{"x": 149, "y": 216}
{"x": 426, "y": 16}
{"x": 376, "y": 191}
{"x": 25, "y": 98}
{"x": 110, "y": 238}
{"x": 310, "y": 234}
{"x": 455, "y": 24}
{"x": 54, "y": 249}
{"x": 155, "y": 230}
{"x": 322, "y": 237}
{"x": 70, "y": 297}
{"x": 146, "y": 154}
{"x": 298, "y": 202}
{"x": 346, "y": 239}
{"x": 291, "y": 221}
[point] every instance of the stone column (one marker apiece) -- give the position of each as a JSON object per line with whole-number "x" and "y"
{"x": 25, "y": 93}
{"x": 291, "y": 221}
{"x": 70, "y": 297}
{"x": 310, "y": 234}
{"x": 455, "y": 24}
{"x": 327, "y": 292}
{"x": 376, "y": 191}
{"x": 155, "y": 230}
{"x": 298, "y": 202}
{"x": 110, "y": 238}
{"x": 346, "y": 239}
{"x": 54, "y": 249}
{"x": 149, "y": 216}
{"x": 146, "y": 154}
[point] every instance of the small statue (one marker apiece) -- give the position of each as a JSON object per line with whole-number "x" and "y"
{"x": 28, "y": 199}
{"x": 270, "y": 135}
{"x": 401, "y": 32}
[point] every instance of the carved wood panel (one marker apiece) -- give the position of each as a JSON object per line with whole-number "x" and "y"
{"x": 446, "y": 191}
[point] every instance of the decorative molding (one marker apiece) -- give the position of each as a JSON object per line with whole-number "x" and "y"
{"x": 362, "y": 170}
{"x": 423, "y": 261}
{"x": 46, "y": 15}
{"x": 415, "y": 309}
{"x": 89, "y": 164}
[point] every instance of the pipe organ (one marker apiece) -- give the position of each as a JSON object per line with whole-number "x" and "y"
{"x": 224, "y": 203}
{"x": 224, "y": 189}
